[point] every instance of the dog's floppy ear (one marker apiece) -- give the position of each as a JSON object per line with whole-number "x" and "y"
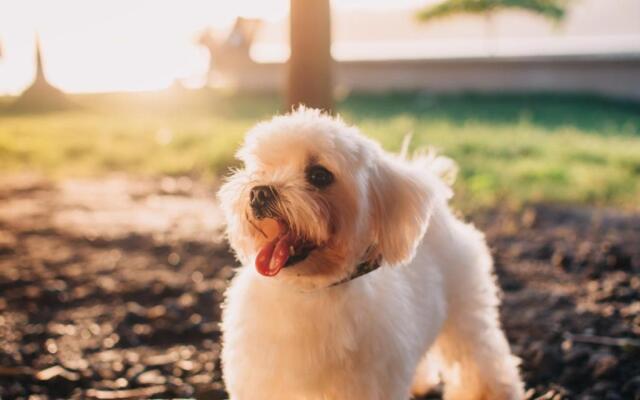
{"x": 401, "y": 210}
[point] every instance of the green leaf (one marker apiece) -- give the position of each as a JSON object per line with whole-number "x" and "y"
{"x": 551, "y": 9}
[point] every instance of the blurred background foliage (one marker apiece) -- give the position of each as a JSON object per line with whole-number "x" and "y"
{"x": 513, "y": 148}
{"x": 552, "y": 9}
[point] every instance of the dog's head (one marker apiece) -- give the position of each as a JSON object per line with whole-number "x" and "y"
{"x": 316, "y": 198}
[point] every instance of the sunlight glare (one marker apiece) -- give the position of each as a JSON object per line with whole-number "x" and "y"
{"x": 120, "y": 45}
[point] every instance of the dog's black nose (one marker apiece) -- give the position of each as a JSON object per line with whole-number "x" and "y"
{"x": 260, "y": 198}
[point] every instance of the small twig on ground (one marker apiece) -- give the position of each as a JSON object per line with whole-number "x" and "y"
{"x": 56, "y": 370}
{"x": 603, "y": 340}
{"x": 140, "y": 393}
{"x": 161, "y": 359}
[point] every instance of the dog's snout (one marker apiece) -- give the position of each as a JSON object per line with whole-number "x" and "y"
{"x": 261, "y": 197}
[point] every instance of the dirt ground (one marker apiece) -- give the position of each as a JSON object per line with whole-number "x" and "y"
{"x": 111, "y": 289}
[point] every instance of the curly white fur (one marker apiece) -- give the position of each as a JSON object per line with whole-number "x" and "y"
{"x": 429, "y": 311}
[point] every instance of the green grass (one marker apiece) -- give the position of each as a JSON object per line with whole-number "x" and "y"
{"x": 510, "y": 148}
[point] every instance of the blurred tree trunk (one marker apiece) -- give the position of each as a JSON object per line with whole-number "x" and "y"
{"x": 310, "y": 63}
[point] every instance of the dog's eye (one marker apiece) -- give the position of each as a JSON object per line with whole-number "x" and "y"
{"x": 319, "y": 176}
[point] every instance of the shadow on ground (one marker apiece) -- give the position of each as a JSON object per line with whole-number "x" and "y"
{"x": 112, "y": 289}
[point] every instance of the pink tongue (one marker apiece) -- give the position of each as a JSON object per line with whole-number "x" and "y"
{"x": 274, "y": 255}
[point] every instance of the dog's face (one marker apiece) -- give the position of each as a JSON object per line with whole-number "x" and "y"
{"x": 316, "y": 198}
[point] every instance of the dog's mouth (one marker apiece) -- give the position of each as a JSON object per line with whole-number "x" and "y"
{"x": 282, "y": 249}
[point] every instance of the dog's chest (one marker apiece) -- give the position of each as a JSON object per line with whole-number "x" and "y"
{"x": 299, "y": 330}
{"x": 301, "y": 343}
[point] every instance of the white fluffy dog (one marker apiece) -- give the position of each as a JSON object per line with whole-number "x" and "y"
{"x": 315, "y": 211}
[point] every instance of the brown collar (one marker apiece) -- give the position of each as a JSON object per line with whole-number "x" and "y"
{"x": 361, "y": 269}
